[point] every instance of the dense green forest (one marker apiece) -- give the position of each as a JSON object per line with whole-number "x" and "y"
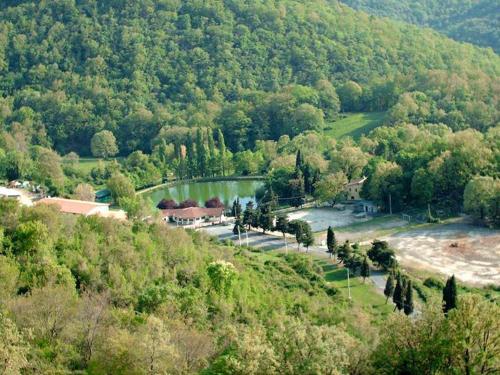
{"x": 256, "y": 70}
{"x": 99, "y": 296}
{"x": 473, "y": 21}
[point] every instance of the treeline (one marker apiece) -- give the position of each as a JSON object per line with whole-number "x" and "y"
{"x": 255, "y": 71}
{"x": 406, "y": 166}
{"x": 473, "y": 21}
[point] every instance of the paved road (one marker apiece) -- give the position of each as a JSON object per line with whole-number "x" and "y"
{"x": 269, "y": 242}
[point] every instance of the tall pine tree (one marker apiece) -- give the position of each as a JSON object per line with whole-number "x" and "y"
{"x": 222, "y": 152}
{"x": 365, "y": 269}
{"x": 450, "y": 295}
{"x": 212, "y": 154}
{"x": 398, "y": 296}
{"x": 331, "y": 241}
{"x": 389, "y": 287}
{"x": 408, "y": 302}
{"x": 191, "y": 157}
{"x": 201, "y": 153}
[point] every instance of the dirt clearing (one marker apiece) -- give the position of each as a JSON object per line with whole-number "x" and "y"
{"x": 472, "y": 254}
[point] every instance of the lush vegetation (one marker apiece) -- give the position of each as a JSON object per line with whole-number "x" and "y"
{"x": 105, "y": 297}
{"x": 148, "y": 71}
{"x": 473, "y": 21}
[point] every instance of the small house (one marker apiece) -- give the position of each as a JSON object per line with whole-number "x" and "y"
{"x": 353, "y": 189}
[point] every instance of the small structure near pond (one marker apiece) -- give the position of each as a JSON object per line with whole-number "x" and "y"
{"x": 194, "y": 215}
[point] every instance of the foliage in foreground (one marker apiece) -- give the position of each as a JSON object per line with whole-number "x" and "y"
{"x": 106, "y": 297}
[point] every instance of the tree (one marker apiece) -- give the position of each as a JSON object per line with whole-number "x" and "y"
{"x": 265, "y": 218}
{"x": 248, "y": 215}
{"x": 84, "y": 192}
{"x": 214, "y": 203}
{"x": 408, "y": 301}
{"x": 307, "y": 238}
{"x": 282, "y": 225}
{"x": 222, "y": 275}
{"x": 201, "y": 153}
{"x": 155, "y": 346}
{"x": 238, "y": 228}
{"x": 365, "y": 269}
{"x": 297, "y": 228}
{"x": 298, "y": 163}
{"x": 344, "y": 252}
{"x": 188, "y": 203}
{"x": 48, "y": 170}
{"x": 398, "y": 296}
{"x": 389, "y": 287}
{"x": 450, "y": 295}
{"x": 473, "y": 330}
{"x": 13, "y": 348}
{"x": 330, "y": 188}
{"x": 236, "y": 208}
{"x": 103, "y": 144}
{"x": 166, "y": 204}
{"x": 381, "y": 254}
{"x": 331, "y": 241}
{"x": 481, "y": 200}
{"x": 120, "y": 186}
{"x": 350, "y": 95}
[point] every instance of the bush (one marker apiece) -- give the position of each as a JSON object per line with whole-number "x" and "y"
{"x": 188, "y": 203}
{"x": 167, "y": 204}
{"x": 433, "y": 283}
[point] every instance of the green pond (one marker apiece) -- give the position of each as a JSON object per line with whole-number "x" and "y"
{"x": 227, "y": 191}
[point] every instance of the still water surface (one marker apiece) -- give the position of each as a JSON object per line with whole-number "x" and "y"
{"x": 227, "y": 191}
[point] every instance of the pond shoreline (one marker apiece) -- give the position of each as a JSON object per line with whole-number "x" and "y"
{"x": 201, "y": 179}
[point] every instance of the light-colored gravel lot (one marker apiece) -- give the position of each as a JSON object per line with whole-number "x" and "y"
{"x": 469, "y": 252}
{"x": 321, "y": 218}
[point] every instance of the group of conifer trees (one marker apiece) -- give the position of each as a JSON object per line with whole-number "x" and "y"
{"x": 202, "y": 156}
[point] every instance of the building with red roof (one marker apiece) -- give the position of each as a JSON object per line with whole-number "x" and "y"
{"x": 194, "y": 215}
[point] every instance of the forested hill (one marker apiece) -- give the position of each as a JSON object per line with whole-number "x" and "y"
{"x": 71, "y": 68}
{"x": 473, "y": 21}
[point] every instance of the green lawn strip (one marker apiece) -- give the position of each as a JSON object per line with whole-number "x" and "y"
{"x": 363, "y": 295}
{"x": 354, "y": 125}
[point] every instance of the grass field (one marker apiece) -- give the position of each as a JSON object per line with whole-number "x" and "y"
{"x": 355, "y": 125}
{"x": 363, "y": 295}
{"x": 86, "y": 164}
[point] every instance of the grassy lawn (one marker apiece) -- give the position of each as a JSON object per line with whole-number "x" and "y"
{"x": 363, "y": 295}
{"x": 355, "y": 125}
{"x": 86, "y": 164}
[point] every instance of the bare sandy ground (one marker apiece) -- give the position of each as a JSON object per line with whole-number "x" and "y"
{"x": 471, "y": 253}
{"x": 321, "y": 218}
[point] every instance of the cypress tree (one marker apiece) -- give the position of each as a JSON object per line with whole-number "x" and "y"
{"x": 397, "y": 297}
{"x": 265, "y": 219}
{"x": 212, "y": 156}
{"x": 298, "y": 162}
{"x": 450, "y": 295}
{"x": 201, "y": 153}
{"x": 408, "y": 305}
{"x": 365, "y": 269}
{"x": 236, "y": 209}
{"x": 331, "y": 241}
{"x": 191, "y": 157}
{"x": 389, "y": 288}
{"x": 222, "y": 152}
{"x": 248, "y": 215}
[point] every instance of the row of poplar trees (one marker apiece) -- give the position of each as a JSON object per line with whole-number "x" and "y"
{"x": 202, "y": 156}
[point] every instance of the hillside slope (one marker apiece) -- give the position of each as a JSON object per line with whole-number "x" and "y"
{"x": 473, "y": 21}
{"x": 69, "y": 69}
